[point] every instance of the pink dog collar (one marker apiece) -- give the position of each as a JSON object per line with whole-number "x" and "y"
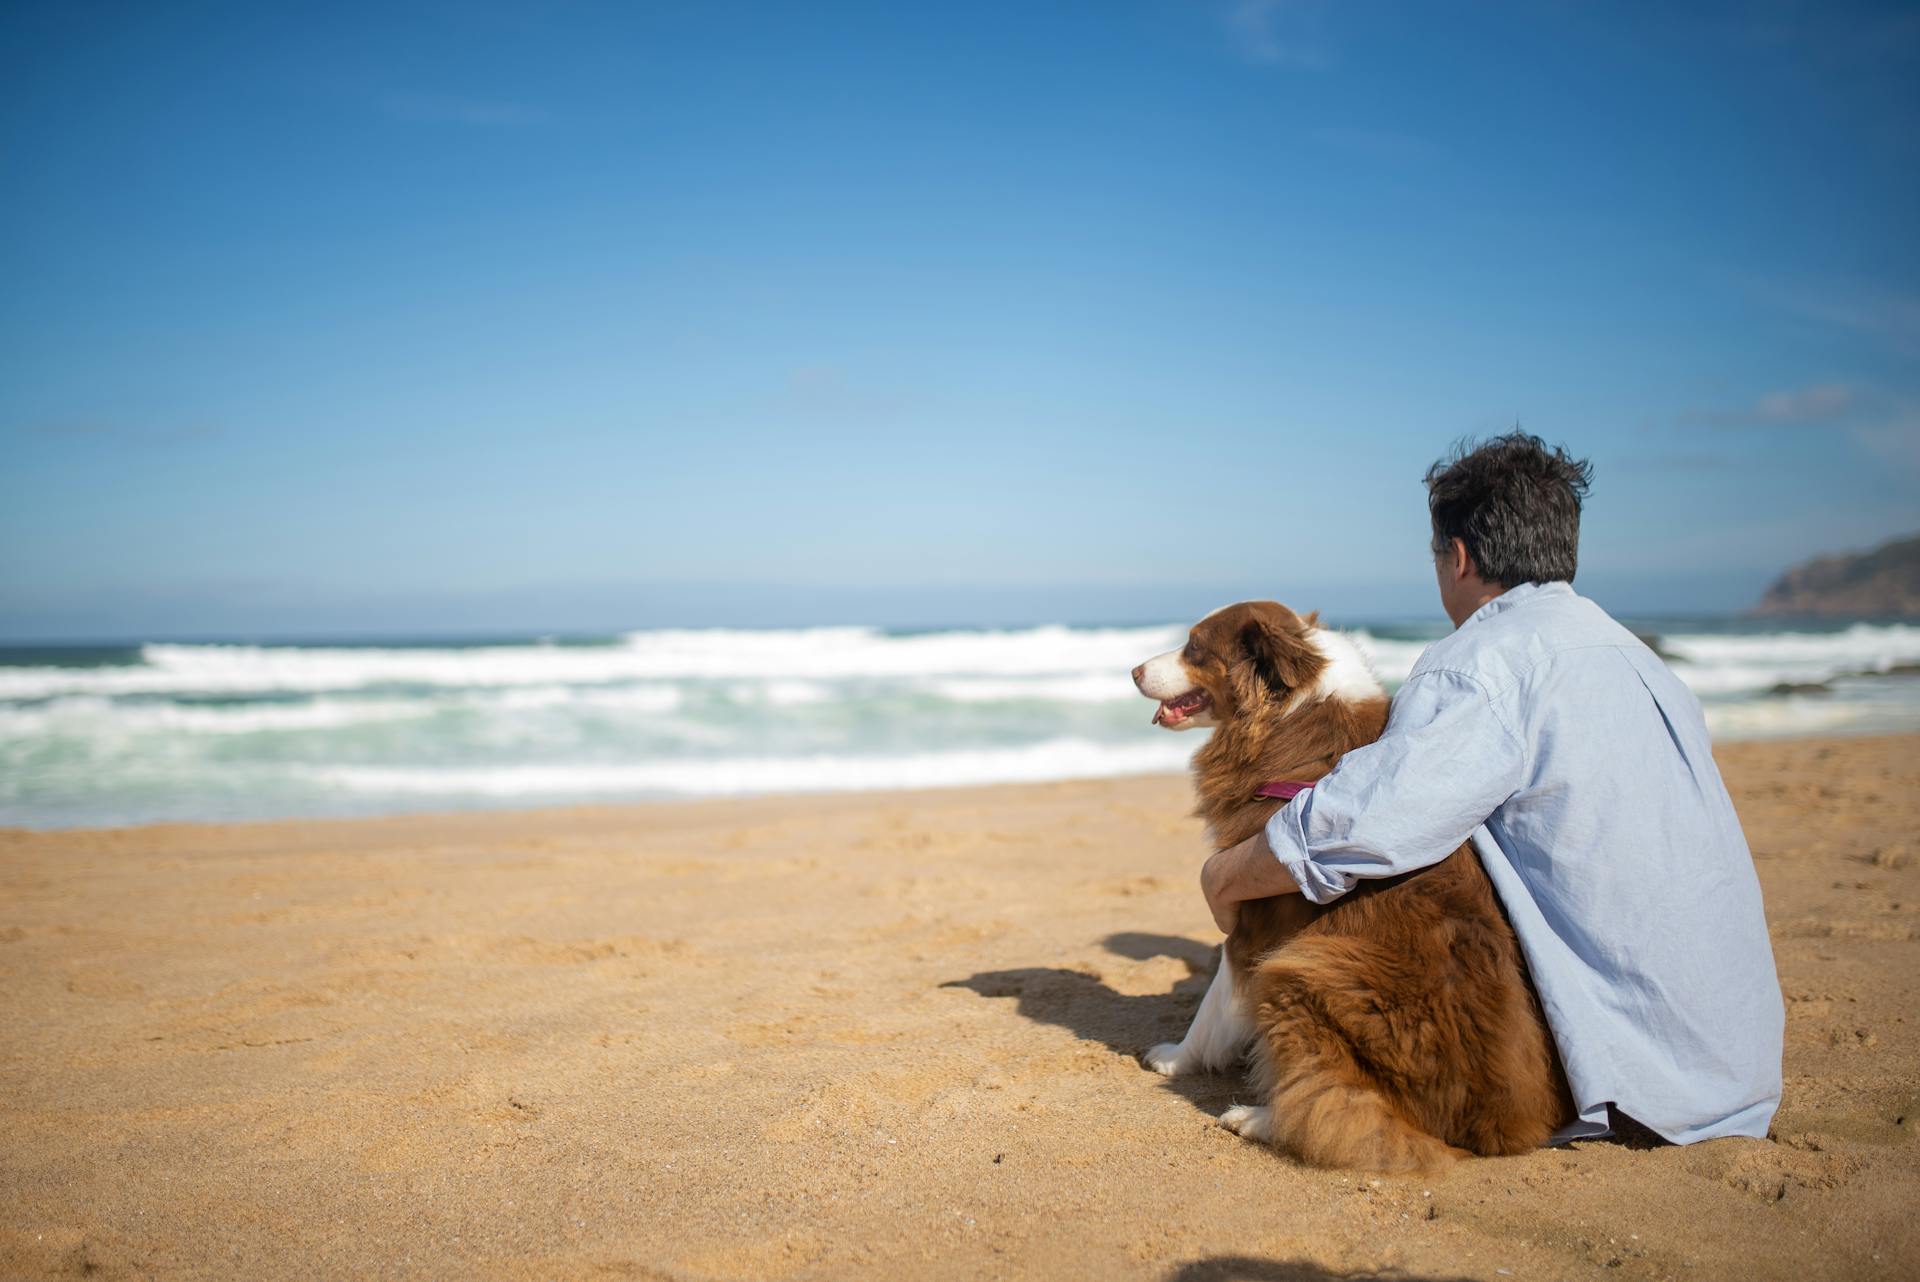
{"x": 1284, "y": 789}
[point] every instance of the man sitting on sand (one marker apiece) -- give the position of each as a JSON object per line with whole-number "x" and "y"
{"x": 1582, "y": 770}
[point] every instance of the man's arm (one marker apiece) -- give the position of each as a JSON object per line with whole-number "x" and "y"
{"x": 1446, "y": 762}
{"x": 1239, "y": 873}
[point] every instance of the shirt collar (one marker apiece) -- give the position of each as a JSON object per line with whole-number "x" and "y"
{"x": 1519, "y": 596}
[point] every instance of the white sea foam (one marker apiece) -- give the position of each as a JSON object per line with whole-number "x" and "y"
{"x": 816, "y": 653}
{"x": 1814, "y": 714}
{"x": 216, "y": 731}
{"x": 867, "y": 653}
{"x": 1104, "y": 688}
{"x": 1390, "y": 658}
{"x": 81, "y": 714}
{"x": 1722, "y": 664}
{"x": 647, "y": 698}
{"x": 1711, "y": 663}
{"x": 90, "y": 714}
{"x": 1051, "y": 759}
{"x": 1734, "y": 664}
{"x": 782, "y": 694}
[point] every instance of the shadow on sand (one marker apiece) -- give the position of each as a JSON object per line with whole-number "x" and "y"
{"x": 1247, "y": 1268}
{"x": 1087, "y": 1008}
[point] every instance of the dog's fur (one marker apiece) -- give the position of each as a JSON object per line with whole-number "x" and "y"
{"x": 1395, "y": 1029}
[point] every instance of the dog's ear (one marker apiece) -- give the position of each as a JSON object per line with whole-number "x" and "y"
{"x": 1278, "y": 649}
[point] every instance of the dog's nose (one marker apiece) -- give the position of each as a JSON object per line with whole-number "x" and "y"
{"x": 1139, "y": 674}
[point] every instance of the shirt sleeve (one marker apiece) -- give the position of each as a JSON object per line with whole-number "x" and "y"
{"x": 1444, "y": 764}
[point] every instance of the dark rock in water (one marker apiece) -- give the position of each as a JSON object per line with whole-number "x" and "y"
{"x": 1883, "y": 583}
{"x": 1799, "y": 687}
{"x": 1651, "y": 640}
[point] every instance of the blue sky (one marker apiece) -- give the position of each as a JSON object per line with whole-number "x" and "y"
{"x": 456, "y": 317}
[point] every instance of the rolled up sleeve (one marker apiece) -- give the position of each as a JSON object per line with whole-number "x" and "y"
{"x": 1444, "y": 764}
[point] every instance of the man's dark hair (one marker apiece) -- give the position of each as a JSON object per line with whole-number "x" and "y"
{"x": 1514, "y": 503}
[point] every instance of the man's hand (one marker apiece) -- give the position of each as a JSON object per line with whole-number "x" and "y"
{"x": 1239, "y": 873}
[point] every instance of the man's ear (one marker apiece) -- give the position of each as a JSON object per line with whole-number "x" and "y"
{"x": 1281, "y": 657}
{"x": 1460, "y": 561}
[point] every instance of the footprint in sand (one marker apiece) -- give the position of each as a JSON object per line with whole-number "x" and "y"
{"x": 95, "y": 982}
{"x": 1773, "y": 1172}
{"x": 580, "y": 952}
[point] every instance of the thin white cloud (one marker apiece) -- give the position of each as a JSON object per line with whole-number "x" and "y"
{"x": 1808, "y": 404}
{"x": 1822, "y": 403}
{"x": 1889, "y": 318}
{"x": 1895, "y": 441}
{"x": 1883, "y": 426}
{"x": 826, "y": 391}
{"x": 1278, "y": 33}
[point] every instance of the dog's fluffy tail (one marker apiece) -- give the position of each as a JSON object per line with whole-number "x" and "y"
{"x": 1329, "y": 1107}
{"x": 1327, "y": 1119}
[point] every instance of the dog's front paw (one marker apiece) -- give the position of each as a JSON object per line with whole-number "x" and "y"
{"x": 1169, "y": 1059}
{"x": 1249, "y": 1122}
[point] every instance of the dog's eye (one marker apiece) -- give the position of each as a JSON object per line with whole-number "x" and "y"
{"x": 1193, "y": 653}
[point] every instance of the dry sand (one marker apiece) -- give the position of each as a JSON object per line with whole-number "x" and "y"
{"x": 886, "y": 1036}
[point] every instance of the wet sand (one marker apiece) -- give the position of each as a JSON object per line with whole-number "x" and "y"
{"x": 885, "y": 1036}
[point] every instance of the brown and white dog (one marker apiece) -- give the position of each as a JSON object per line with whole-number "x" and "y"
{"x": 1394, "y": 1029}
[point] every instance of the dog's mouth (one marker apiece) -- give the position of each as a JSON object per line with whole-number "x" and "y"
{"x": 1172, "y": 712}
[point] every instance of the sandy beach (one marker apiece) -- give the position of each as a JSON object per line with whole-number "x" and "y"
{"x": 888, "y": 1035}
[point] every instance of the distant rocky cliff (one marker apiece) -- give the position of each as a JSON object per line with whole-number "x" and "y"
{"x": 1877, "y": 584}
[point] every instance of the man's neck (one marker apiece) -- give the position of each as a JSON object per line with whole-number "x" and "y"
{"x": 1476, "y": 594}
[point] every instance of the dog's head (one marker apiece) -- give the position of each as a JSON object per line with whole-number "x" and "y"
{"x": 1245, "y": 658}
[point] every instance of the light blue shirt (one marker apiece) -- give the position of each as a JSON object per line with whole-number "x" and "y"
{"x": 1581, "y": 768}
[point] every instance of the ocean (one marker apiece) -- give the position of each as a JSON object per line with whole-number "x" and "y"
{"x": 224, "y": 731}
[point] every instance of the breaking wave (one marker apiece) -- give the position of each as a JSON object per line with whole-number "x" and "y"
{"x": 221, "y": 731}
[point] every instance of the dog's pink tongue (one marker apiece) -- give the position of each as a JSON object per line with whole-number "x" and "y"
{"x": 1165, "y": 713}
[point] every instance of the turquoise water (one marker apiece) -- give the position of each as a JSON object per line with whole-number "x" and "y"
{"x": 109, "y": 735}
